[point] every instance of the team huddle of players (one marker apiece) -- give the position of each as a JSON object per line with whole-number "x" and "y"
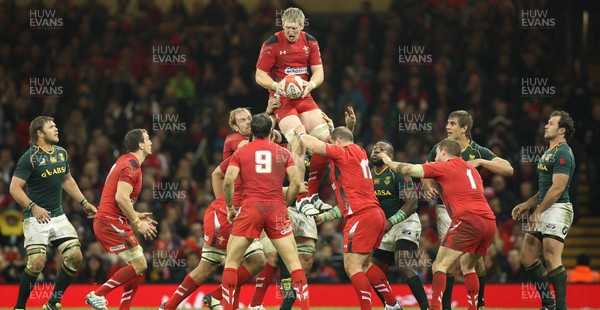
{"x": 255, "y": 220}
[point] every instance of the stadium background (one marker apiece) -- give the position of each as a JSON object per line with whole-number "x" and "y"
{"x": 177, "y": 67}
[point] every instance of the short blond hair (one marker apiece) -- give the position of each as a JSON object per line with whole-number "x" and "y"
{"x": 232, "y": 115}
{"x": 293, "y": 15}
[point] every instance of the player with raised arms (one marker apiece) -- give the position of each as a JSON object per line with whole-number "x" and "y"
{"x": 293, "y": 51}
{"x": 365, "y": 221}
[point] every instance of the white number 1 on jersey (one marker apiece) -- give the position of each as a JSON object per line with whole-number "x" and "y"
{"x": 470, "y": 175}
{"x": 364, "y": 164}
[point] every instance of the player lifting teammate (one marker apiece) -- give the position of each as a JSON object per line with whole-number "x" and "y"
{"x": 473, "y": 223}
{"x": 45, "y": 172}
{"x": 552, "y": 213}
{"x": 365, "y": 221}
{"x": 459, "y": 128}
{"x": 262, "y": 167}
{"x": 293, "y": 51}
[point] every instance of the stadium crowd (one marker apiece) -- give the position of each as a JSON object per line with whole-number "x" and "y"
{"x": 103, "y": 60}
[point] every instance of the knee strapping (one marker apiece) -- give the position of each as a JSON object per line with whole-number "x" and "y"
{"x": 320, "y": 132}
{"x": 213, "y": 255}
{"x": 36, "y": 259}
{"x": 306, "y": 248}
{"x": 71, "y": 252}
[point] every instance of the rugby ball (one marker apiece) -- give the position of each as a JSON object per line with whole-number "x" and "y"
{"x": 293, "y": 86}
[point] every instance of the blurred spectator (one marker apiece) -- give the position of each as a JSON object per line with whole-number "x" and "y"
{"x": 514, "y": 270}
{"x": 582, "y": 273}
{"x": 93, "y": 271}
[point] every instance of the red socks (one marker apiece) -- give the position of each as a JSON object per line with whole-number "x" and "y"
{"x": 243, "y": 276}
{"x": 318, "y": 163}
{"x": 381, "y": 284}
{"x": 301, "y": 288}
{"x": 472, "y": 286}
{"x": 129, "y": 290}
{"x": 185, "y": 289}
{"x": 362, "y": 289}
{"x": 438, "y": 286}
{"x": 123, "y": 275}
{"x": 228, "y": 287}
{"x": 263, "y": 279}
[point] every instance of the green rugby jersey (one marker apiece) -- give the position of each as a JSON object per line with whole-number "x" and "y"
{"x": 472, "y": 151}
{"x": 557, "y": 159}
{"x": 43, "y": 173}
{"x": 388, "y": 185}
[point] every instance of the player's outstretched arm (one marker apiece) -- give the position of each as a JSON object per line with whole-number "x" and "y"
{"x": 313, "y": 144}
{"x": 217, "y": 178}
{"x": 415, "y": 171}
{"x": 497, "y": 165}
{"x": 72, "y": 189}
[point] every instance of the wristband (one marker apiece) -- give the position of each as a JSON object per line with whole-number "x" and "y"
{"x": 274, "y": 85}
{"x": 83, "y": 202}
{"x": 398, "y": 217}
{"x": 137, "y": 222}
{"x": 301, "y": 134}
{"x": 336, "y": 213}
{"x": 29, "y": 206}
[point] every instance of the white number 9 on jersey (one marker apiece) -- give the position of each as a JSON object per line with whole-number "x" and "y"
{"x": 263, "y": 161}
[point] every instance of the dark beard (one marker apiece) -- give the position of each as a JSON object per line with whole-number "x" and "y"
{"x": 377, "y": 162}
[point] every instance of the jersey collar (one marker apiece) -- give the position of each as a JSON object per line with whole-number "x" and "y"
{"x": 382, "y": 171}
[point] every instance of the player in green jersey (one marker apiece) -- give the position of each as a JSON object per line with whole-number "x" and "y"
{"x": 44, "y": 172}
{"x": 459, "y": 128}
{"x": 398, "y": 199}
{"x": 552, "y": 213}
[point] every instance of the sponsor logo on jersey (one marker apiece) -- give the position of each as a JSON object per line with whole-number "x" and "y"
{"x": 564, "y": 230}
{"x": 376, "y": 181}
{"x": 551, "y": 226}
{"x": 290, "y": 70}
{"x": 53, "y": 160}
{"x": 221, "y": 239}
{"x": 61, "y": 157}
{"x": 54, "y": 171}
{"x": 382, "y": 192}
{"x": 542, "y": 167}
{"x": 43, "y": 162}
{"x": 117, "y": 247}
{"x": 387, "y": 180}
{"x": 471, "y": 157}
{"x": 305, "y": 48}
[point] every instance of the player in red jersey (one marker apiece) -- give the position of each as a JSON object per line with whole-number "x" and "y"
{"x": 262, "y": 166}
{"x": 473, "y": 223}
{"x": 365, "y": 221}
{"x": 121, "y": 189}
{"x": 239, "y": 122}
{"x": 216, "y": 236}
{"x": 293, "y": 51}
